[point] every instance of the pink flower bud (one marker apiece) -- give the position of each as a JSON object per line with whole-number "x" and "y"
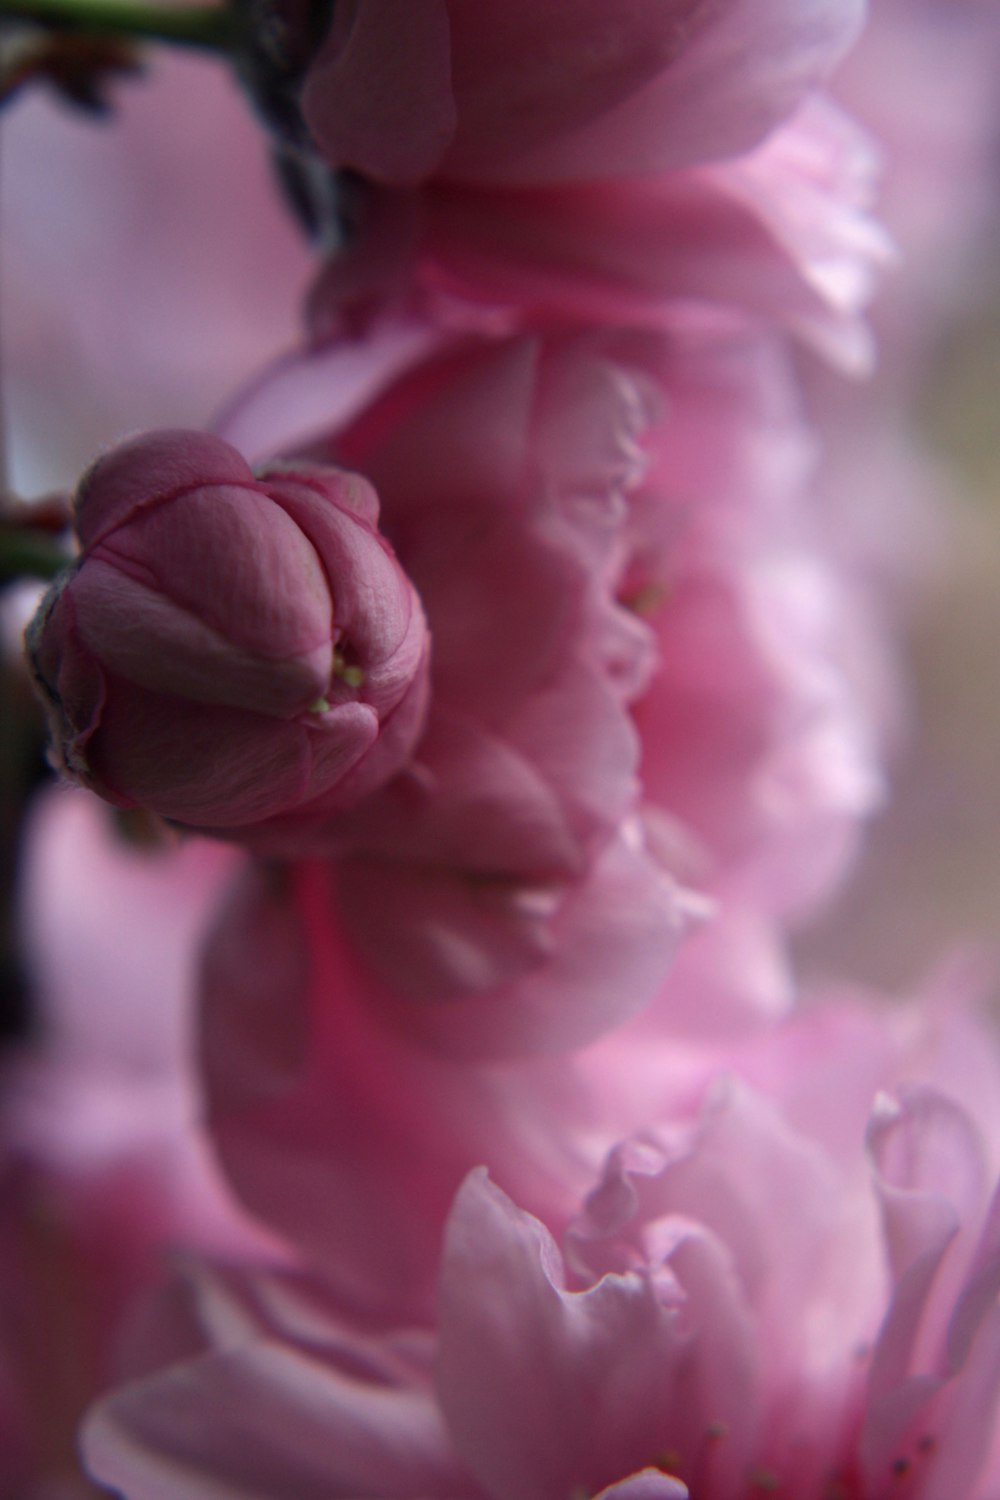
{"x": 241, "y": 654}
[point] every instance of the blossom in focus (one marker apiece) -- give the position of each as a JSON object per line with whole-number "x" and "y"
{"x": 401, "y": 92}
{"x": 758, "y": 1291}
{"x": 854, "y": 1347}
{"x": 231, "y": 652}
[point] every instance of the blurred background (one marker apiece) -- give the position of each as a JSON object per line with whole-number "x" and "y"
{"x": 928, "y": 879}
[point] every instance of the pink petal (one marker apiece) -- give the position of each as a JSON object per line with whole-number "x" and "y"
{"x": 648, "y": 1484}
{"x": 151, "y": 469}
{"x": 741, "y": 69}
{"x": 609, "y": 946}
{"x": 544, "y": 1390}
{"x": 378, "y": 96}
{"x": 140, "y": 634}
{"x": 280, "y": 1422}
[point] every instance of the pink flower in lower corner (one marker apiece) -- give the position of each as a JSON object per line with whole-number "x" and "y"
{"x": 104, "y": 1160}
{"x": 237, "y": 653}
{"x": 753, "y": 1296}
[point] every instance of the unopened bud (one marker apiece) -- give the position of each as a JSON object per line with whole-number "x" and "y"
{"x": 242, "y": 654}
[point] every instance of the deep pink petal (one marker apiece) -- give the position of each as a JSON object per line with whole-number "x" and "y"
{"x": 378, "y": 96}
{"x": 148, "y": 470}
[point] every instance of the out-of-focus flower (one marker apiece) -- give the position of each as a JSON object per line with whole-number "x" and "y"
{"x": 104, "y": 1160}
{"x": 103, "y": 1097}
{"x": 637, "y": 680}
{"x": 744, "y": 1301}
{"x": 401, "y": 92}
{"x": 781, "y": 235}
{"x": 342, "y": 1132}
{"x": 234, "y": 653}
{"x": 887, "y": 495}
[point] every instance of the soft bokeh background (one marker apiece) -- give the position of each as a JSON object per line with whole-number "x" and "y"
{"x": 148, "y": 264}
{"x": 930, "y": 875}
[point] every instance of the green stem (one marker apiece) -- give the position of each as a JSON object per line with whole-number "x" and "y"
{"x": 208, "y": 26}
{"x": 25, "y": 553}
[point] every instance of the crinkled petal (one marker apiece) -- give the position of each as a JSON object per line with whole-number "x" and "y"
{"x": 545, "y": 1391}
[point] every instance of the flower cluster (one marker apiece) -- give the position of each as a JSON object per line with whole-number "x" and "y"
{"x": 513, "y": 634}
{"x": 741, "y": 1305}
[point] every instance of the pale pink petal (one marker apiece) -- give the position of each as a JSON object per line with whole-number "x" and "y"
{"x": 930, "y": 1181}
{"x": 283, "y": 1423}
{"x": 648, "y": 1484}
{"x": 544, "y": 1390}
{"x": 959, "y": 1432}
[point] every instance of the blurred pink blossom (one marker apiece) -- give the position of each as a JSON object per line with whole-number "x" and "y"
{"x": 638, "y": 678}
{"x": 908, "y": 487}
{"x": 104, "y": 1097}
{"x": 750, "y": 1293}
{"x": 403, "y": 92}
{"x": 104, "y": 1162}
{"x": 780, "y": 235}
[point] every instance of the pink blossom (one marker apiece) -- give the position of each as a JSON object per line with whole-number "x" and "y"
{"x": 637, "y": 682}
{"x": 232, "y": 652}
{"x": 781, "y": 234}
{"x": 104, "y": 1161}
{"x": 507, "y": 866}
{"x": 296, "y": 1056}
{"x": 105, "y": 1101}
{"x": 342, "y": 1131}
{"x": 402, "y": 92}
{"x": 751, "y": 1294}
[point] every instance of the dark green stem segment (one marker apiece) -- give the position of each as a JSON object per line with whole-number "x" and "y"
{"x": 26, "y": 553}
{"x": 211, "y": 27}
